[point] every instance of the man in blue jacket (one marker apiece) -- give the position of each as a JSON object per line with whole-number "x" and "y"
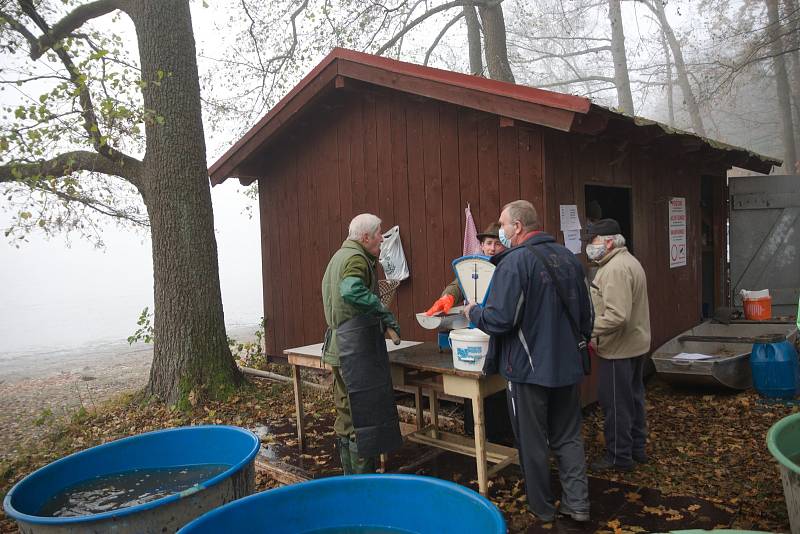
{"x": 534, "y": 347}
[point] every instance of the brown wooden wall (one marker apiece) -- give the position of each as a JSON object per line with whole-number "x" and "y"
{"x": 573, "y": 161}
{"x": 413, "y": 162}
{"x": 416, "y": 163}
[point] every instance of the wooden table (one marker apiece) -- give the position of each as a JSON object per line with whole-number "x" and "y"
{"x": 423, "y": 367}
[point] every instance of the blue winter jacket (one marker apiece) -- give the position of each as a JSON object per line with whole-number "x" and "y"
{"x": 531, "y": 338}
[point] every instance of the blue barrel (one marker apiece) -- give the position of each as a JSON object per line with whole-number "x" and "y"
{"x": 407, "y": 504}
{"x": 775, "y": 368}
{"x": 228, "y": 446}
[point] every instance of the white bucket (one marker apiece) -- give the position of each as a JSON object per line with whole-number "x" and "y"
{"x": 469, "y": 348}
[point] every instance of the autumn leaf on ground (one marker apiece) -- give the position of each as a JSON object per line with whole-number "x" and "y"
{"x": 694, "y": 507}
{"x": 632, "y": 496}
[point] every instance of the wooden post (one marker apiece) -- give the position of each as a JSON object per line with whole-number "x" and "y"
{"x": 480, "y": 442}
{"x": 298, "y": 403}
{"x": 418, "y": 402}
{"x": 434, "y": 413}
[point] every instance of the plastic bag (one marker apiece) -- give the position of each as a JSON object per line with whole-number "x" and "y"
{"x": 392, "y": 258}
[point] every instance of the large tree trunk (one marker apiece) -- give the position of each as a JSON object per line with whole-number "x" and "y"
{"x": 680, "y": 67}
{"x": 782, "y": 85}
{"x": 191, "y": 356}
{"x": 621, "y": 79}
{"x": 670, "y": 92}
{"x": 793, "y": 44}
{"x": 494, "y": 32}
{"x": 474, "y": 41}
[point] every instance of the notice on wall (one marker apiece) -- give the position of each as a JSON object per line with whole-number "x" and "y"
{"x": 677, "y": 232}
{"x": 572, "y": 240}
{"x": 569, "y": 217}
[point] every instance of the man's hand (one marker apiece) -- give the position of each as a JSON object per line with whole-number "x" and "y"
{"x": 389, "y": 321}
{"x": 442, "y": 305}
{"x": 467, "y": 309}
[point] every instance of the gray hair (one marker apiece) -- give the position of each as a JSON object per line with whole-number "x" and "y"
{"x": 618, "y": 240}
{"x": 524, "y": 212}
{"x": 366, "y": 223}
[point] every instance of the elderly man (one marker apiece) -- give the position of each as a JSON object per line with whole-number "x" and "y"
{"x": 366, "y": 416}
{"x": 490, "y": 245}
{"x": 533, "y": 345}
{"x": 622, "y": 335}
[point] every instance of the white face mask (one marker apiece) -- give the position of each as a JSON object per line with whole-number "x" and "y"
{"x": 596, "y": 252}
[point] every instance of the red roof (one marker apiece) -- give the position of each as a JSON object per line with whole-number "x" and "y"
{"x": 518, "y": 102}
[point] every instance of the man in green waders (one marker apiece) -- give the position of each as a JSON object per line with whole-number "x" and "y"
{"x": 366, "y": 416}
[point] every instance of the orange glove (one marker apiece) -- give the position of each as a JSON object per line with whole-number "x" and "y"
{"x": 442, "y": 305}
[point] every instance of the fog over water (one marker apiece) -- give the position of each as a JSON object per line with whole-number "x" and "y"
{"x": 56, "y": 297}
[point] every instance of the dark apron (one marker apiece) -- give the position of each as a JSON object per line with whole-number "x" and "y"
{"x": 365, "y": 370}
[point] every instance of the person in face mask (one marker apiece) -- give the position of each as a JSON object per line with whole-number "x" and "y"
{"x": 622, "y": 336}
{"x": 533, "y": 346}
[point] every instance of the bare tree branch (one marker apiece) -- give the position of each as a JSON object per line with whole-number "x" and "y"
{"x": 439, "y": 37}
{"x": 425, "y": 16}
{"x": 578, "y": 80}
{"x": 71, "y": 22}
{"x": 20, "y": 28}
{"x": 70, "y": 162}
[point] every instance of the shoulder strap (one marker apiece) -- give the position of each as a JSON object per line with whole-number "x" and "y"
{"x": 560, "y": 291}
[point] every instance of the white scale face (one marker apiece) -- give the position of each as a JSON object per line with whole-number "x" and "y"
{"x": 474, "y": 275}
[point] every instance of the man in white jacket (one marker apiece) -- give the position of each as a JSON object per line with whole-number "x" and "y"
{"x": 622, "y": 336}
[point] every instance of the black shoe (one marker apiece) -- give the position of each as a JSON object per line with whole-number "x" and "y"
{"x": 580, "y": 517}
{"x": 641, "y": 458}
{"x": 604, "y": 464}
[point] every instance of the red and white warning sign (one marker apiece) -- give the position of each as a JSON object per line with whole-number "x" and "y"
{"x": 677, "y": 232}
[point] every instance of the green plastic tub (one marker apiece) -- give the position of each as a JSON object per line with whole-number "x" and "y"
{"x": 783, "y": 441}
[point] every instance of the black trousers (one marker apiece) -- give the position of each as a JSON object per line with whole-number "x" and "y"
{"x": 620, "y": 391}
{"x": 549, "y": 419}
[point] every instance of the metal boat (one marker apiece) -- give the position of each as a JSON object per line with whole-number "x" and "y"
{"x": 716, "y": 354}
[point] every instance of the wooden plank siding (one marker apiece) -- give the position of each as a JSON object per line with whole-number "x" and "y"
{"x": 415, "y": 163}
{"x": 573, "y": 161}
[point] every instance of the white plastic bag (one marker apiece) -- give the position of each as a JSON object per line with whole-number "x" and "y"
{"x": 392, "y": 257}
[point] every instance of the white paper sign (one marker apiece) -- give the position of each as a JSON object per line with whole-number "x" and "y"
{"x": 677, "y": 232}
{"x": 572, "y": 240}
{"x": 569, "y": 217}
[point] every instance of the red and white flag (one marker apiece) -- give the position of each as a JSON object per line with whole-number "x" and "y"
{"x": 471, "y": 243}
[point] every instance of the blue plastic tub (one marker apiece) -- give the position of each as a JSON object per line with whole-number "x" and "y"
{"x": 775, "y": 369}
{"x": 185, "y": 446}
{"x": 359, "y": 503}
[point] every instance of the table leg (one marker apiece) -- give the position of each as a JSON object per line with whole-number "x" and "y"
{"x": 298, "y": 404}
{"x": 480, "y": 444}
{"x": 434, "y": 413}
{"x": 418, "y": 402}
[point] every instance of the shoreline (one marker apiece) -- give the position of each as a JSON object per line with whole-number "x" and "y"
{"x": 40, "y": 388}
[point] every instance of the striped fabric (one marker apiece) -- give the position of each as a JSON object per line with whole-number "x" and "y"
{"x": 471, "y": 243}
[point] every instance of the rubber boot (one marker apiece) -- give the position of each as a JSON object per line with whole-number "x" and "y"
{"x": 360, "y": 465}
{"x": 343, "y": 444}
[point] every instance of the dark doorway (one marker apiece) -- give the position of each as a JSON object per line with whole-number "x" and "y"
{"x": 707, "y": 244}
{"x": 607, "y": 202}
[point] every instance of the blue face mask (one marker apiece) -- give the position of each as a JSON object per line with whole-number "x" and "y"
{"x": 506, "y": 242}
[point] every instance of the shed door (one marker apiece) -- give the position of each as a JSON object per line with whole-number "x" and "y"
{"x": 765, "y": 238}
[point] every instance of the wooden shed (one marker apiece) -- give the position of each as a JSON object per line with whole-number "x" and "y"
{"x": 414, "y": 145}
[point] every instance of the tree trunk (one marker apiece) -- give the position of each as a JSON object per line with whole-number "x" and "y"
{"x": 680, "y": 67}
{"x": 793, "y": 43}
{"x": 621, "y": 79}
{"x": 670, "y": 95}
{"x": 494, "y": 32}
{"x": 474, "y": 41}
{"x": 191, "y": 356}
{"x": 782, "y": 85}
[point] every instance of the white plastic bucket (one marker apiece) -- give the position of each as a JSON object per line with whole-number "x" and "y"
{"x": 469, "y": 348}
